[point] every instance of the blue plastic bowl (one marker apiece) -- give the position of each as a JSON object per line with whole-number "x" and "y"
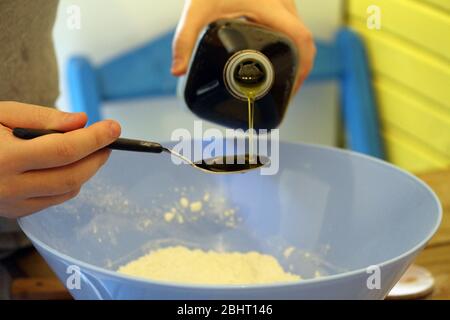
{"x": 342, "y": 212}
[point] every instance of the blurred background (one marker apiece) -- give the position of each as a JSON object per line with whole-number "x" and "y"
{"x": 409, "y": 57}
{"x": 111, "y": 27}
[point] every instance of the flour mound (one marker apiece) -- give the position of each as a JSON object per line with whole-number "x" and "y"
{"x": 180, "y": 264}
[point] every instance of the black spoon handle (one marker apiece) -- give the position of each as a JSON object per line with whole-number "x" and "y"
{"x": 119, "y": 144}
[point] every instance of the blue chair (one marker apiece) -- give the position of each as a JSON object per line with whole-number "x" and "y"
{"x": 145, "y": 72}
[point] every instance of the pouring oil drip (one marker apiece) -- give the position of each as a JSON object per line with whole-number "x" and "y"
{"x": 249, "y": 78}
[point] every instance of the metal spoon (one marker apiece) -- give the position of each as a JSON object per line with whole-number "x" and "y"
{"x": 218, "y": 165}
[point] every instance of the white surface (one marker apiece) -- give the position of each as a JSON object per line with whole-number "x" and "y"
{"x": 109, "y": 27}
{"x": 417, "y": 282}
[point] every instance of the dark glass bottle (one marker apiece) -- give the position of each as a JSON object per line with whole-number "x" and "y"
{"x": 235, "y": 53}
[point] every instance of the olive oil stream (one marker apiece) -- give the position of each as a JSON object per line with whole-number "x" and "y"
{"x": 250, "y": 94}
{"x": 238, "y": 163}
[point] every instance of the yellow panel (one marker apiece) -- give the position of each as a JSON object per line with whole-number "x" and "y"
{"x": 410, "y": 155}
{"x": 443, "y": 4}
{"x": 411, "y": 113}
{"x": 404, "y": 63}
{"x": 414, "y": 21}
{"x": 403, "y": 157}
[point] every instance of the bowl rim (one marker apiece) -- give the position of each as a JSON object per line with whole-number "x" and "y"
{"x": 282, "y": 284}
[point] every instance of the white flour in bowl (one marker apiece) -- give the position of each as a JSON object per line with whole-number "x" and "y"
{"x": 180, "y": 264}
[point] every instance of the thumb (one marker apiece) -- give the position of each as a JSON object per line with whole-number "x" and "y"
{"x": 184, "y": 41}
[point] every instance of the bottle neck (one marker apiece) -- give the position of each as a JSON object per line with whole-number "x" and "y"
{"x": 248, "y": 72}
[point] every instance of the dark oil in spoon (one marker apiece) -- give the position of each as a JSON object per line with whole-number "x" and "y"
{"x": 229, "y": 164}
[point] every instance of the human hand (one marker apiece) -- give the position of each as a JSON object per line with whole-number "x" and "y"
{"x": 280, "y": 15}
{"x": 46, "y": 171}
